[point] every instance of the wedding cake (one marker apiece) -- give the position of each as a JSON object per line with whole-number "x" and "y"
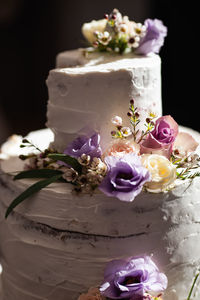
{"x": 104, "y": 203}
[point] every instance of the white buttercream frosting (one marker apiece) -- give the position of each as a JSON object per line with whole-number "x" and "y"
{"x": 98, "y": 87}
{"x": 56, "y": 244}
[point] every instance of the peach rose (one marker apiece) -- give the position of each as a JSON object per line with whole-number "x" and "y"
{"x": 119, "y": 148}
{"x": 92, "y": 294}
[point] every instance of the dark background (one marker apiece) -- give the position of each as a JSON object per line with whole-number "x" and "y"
{"x": 32, "y": 33}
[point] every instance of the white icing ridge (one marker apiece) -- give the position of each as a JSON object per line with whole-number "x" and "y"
{"x": 106, "y": 83}
{"x": 56, "y": 244}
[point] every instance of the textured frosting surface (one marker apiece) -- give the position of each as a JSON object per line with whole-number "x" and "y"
{"x": 98, "y": 88}
{"x": 56, "y": 244}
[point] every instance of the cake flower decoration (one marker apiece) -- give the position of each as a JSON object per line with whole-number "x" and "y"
{"x": 160, "y": 140}
{"x": 116, "y": 33}
{"x": 153, "y": 40}
{"x": 85, "y": 145}
{"x": 135, "y": 160}
{"x": 119, "y": 148}
{"x": 133, "y": 278}
{"x": 163, "y": 172}
{"x": 125, "y": 177}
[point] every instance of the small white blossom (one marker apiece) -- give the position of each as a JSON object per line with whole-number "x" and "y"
{"x": 84, "y": 160}
{"x": 134, "y": 41}
{"x": 94, "y": 178}
{"x": 117, "y": 121}
{"x": 140, "y": 29}
{"x": 123, "y": 28}
{"x": 99, "y": 166}
{"x": 69, "y": 174}
{"x": 126, "y": 131}
{"x": 104, "y": 38}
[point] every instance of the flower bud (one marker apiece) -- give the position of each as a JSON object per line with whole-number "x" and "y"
{"x": 137, "y": 115}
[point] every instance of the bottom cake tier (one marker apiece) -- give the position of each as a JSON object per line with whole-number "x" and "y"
{"x": 55, "y": 245}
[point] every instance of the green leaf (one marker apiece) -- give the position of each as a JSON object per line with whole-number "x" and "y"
{"x": 30, "y": 191}
{"x": 37, "y": 173}
{"x": 73, "y": 162}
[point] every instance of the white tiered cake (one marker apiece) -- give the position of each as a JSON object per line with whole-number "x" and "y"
{"x": 91, "y": 94}
{"x": 55, "y": 245}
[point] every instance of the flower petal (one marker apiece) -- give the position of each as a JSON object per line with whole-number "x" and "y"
{"x": 186, "y": 142}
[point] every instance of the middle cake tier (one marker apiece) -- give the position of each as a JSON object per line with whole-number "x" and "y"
{"x": 88, "y": 96}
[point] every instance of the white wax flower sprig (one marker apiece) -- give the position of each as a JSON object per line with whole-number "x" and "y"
{"x": 116, "y": 33}
{"x": 120, "y": 131}
{"x": 134, "y": 117}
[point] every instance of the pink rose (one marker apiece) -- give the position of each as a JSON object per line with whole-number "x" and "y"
{"x": 160, "y": 140}
{"x": 119, "y": 148}
{"x": 92, "y": 294}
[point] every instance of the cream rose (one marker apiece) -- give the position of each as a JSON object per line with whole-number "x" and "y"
{"x": 163, "y": 172}
{"x": 88, "y": 29}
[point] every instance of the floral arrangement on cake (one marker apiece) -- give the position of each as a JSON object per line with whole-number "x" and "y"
{"x": 134, "y": 278}
{"x": 136, "y": 160}
{"x": 116, "y": 33}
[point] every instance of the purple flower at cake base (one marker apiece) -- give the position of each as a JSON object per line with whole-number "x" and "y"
{"x": 125, "y": 177}
{"x": 132, "y": 279}
{"x": 154, "y": 38}
{"x": 85, "y": 145}
{"x": 160, "y": 140}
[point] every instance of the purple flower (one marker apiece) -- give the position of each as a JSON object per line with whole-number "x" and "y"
{"x": 125, "y": 177}
{"x": 85, "y": 145}
{"x": 154, "y": 38}
{"x": 132, "y": 278}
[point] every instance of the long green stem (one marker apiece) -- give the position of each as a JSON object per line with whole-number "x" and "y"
{"x": 192, "y": 288}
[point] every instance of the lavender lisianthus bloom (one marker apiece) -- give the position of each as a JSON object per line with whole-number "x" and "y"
{"x": 132, "y": 279}
{"x": 154, "y": 37}
{"x": 125, "y": 177}
{"x": 85, "y": 145}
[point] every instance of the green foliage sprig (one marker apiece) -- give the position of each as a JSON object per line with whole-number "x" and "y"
{"x": 50, "y": 176}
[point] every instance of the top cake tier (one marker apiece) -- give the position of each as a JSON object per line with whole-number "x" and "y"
{"x": 88, "y": 89}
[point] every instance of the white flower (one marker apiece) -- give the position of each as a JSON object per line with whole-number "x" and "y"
{"x": 126, "y": 131}
{"x": 123, "y": 28}
{"x": 88, "y": 29}
{"x": 84, "y": 160}
{"x": 163, "y": 172}
{"x": 99, "y": 166}
{"x": 104, "y": 37}
{"x": 140, "y": 29}
{"x": 134, "y": 41}
{"x": 117, "y": 121}
{"x": 69, "y": 174}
